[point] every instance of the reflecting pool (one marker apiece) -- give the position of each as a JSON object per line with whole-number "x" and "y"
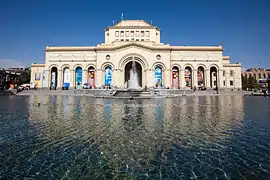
{"x": 69, "y": 137}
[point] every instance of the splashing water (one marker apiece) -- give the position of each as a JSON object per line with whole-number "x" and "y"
{"x": 133, "y": 82}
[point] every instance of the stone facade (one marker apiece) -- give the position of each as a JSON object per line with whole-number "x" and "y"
{"x": 157, "y": 64}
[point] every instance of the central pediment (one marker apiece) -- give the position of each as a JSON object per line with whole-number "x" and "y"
{"x": 133, "y": 44}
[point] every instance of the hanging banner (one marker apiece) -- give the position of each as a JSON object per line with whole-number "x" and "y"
{"x": 108, "y": 76}
{"x": 188, "y": 78}
{"x": 158, "y": 77}
{"x": 91, "y": 77}
{"x": 175, "y": 77}
{"x": 78, "y": 74}
{"x": 67, "y": 78}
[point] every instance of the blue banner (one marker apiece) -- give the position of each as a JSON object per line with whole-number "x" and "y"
{"x": 78, "y": 73}
{"x": 158, "y": 77}
{"x": 108, "y": 76}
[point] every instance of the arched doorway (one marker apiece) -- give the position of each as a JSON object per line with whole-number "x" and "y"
{"x": 78, "y": 77}
{"x": 54, "y": 76}
{"x": 66, "y": 77}
{"x": 188, "y": 77}
{"x": 108, "y": 76}
{"x": 175, "y": 77}
{"x": 213, "y": 77}
{"x": 158, "y": 76}
{"x": 200, "y": 77}
{"x": 91, "y": 78}
{"x": 133, "y": 75}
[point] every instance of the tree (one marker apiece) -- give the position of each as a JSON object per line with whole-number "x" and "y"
{"x": 244, "y": 82}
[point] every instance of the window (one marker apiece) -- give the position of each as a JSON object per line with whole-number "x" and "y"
{"x": 224, "y": 83}
{"x": 132, "y": 33}
{"x": 137, "y": 33}
{"x": 122, "y": 33}
{"x": 214, "y": 74}
{"x": 142, "y": 33}
{"x": 142, "y": 39}
{"x": 147, "y": 33}
{"x": 147, "y": 39}
{"x": 224, "y": 73}
{"x": 116, "y": 39}
{"x": 231, "y": 73}
{"x": 127, "y": 33}
{"x": 117, "y": 33}
{"x": 132, "y": 39}
{"x": 137, "y": 39}
{"x": 127, "y": 39}
{"x": 231, "y": 83}
{"x": 122, "y": 39}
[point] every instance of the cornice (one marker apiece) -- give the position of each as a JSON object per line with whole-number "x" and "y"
{"x": 38, "y": 65}
{"x": 151, "y": 47}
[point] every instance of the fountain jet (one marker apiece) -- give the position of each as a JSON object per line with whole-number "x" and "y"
{"x": 133, "y": 82}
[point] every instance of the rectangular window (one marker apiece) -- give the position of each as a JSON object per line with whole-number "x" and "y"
{"x": 122, "y": 34}
{"x": 132, "y": 33}
{"x": 231, "y": 83}
{"x": 127, "y": 39}
{"x": 215, "y": 83}
{"x": 147, "y": 39}
{"x": 147, "y": 33}
{"x": 137, "y": 33}
{"x": 127, "y": 33}
{"x": 116, "y": 33}
{"x": 122, "y": 39}
{"x": 224, "y": 83}
{"x": 142, "y": 39}
{"x": 132, "y": 39}
{"x": 142, "y": 33}
{"x": 137, "y": 39}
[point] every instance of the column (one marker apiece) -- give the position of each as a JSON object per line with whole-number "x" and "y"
{"x": 84, "y": 76}
{"x": 72, "y": 78}
{"x": 59, "y": 79}
{"x": 207, "y": 78}
{"x": 99, "y": 78}
{"x": 182, "y": 79}
{"x": 167, "y": 77}
{"x": 220, "y": 79}
{"x": 194, "y": 78}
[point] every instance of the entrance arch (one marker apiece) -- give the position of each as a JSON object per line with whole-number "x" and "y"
{"x": 66, "y": 77}
{"x": 131, "y": 75}
{"x": 78, "y": 77}
{"x": 188, "y": 77}
{"x": 175, "y": 77}
{"x": 158, "y": 76}
{"x": 213, "y": 77}
{"x": 54, "y": 77}
{"x": 91, "y": 76}
{"x": 200, "y": 77}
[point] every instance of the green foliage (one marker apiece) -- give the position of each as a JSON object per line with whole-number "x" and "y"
{"x": 24, "y": 78}
{"x": 249, "y": 83}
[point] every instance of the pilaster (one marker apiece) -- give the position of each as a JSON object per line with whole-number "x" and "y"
{"x": 207, "y": 78}
{"x": 99, "y": 78}
{"x": 182, "y": 79}
{"x": 72, "y": 78}
{"x": 194, "y": 78}
{"x": 84, "y": 76}
{"x": 59, "y": 79}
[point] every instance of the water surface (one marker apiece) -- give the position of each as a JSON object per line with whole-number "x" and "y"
{"x": 66, "y": 137}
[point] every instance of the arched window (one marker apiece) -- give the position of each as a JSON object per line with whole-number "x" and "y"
{"x": 224, "y": 73}
{"x": 158, "y": 76}
{"x": 91, "y": 76}
{"x": 78, "y": 77}
{"x": 66, "y": 77}
{"x": 188, "y": 77}
{"x": 231, "y": 73}
{"x": 108, "y": 76}
{"x": 175, "y": 77}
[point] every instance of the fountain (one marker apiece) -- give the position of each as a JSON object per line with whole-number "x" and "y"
{"x": 133, "y": 82}
{"x": 133, "y": 88}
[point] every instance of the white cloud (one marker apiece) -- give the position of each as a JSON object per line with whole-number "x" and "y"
{"x": 10, "y": 63}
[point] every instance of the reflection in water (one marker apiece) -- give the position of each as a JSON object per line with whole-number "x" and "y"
{"x": 188, "y": 137}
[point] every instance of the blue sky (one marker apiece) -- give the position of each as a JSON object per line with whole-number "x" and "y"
{"x": 242, "y": 26}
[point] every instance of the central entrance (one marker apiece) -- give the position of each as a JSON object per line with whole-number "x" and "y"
{"x": 133, "y": 74}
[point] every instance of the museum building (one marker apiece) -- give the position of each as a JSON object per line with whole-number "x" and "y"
{"x": 136, "y": 42}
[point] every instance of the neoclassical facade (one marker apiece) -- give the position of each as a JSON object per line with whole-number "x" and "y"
{"x": 157, "y": 64}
